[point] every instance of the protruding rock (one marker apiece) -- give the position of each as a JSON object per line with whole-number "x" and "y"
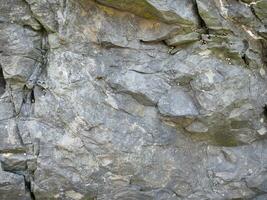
{"x": 17, "y": 162}
{"x": 181, "y": 12}
{"x": 197, "y": 127}
{"x": 146, "y": 88}
{"x": 10, "y": 141}
{"x": 183, "y": 39}
{"x": 262, "y": 131}
{"x": 177, "y": 103}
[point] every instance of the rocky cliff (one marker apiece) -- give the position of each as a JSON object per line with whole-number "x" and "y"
{"x": 133, "y": 99}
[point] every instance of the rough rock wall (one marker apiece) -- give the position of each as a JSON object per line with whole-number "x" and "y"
{"x": 133, "y": 99}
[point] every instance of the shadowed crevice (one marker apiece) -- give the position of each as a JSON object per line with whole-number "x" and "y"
{"x": 2, "y": 82}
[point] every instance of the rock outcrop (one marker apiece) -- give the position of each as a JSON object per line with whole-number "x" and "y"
{"x": 133, "y": 99}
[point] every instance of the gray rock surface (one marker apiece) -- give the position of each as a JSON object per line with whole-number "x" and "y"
{"x": 140, "y": 100}
{"x": 177, "y": 103}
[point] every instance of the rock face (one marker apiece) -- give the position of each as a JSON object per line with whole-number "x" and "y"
{"x": 133, "y": 99}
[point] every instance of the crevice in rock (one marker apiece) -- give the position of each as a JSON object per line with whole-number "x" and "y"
{"x": 27, "y": 182}
{"x": 28, "y": 187}
{"x": 29, "y": 7}
{"x": 141, "y": 72}
{"x": 19, "y": 136}
{"x": 245, "y": 59}
{"x": 156, "y": 41}
{"x": 171, "y": 49}
{"x": 254, "y": 13}
{"x": 29, "y": 98}
{"x": 265, "y": 111}
{"x": 2, "y": 82}
{"x": 174, "y": 192}
{"x": 202, "y": 23}
{"x": 264, "y": 52}
{"x": 32, "y": 97}
{"x": 244, "y": 56}
{"x": 32, "y": 82}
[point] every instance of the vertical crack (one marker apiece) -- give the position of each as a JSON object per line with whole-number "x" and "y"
{"x": 32, "y": 97}
{"x": 265, "y": 111}
{"x": 244, "y": 56}
{"x": 29, "y": 100}
{"x": 40, "y": 65}
{"x": 202, "y": 23}
{"x": 28, "y": 187}
{"x": 264, "y": 52}
{"x": 255, "y": 14}
{"x": 25, "y": 108}
{"x": 27, "y": 181}
{"x": 2, "y": 82}
{"x": 26, "y": 158}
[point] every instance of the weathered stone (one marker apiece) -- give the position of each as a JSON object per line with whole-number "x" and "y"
{"x": 10, "y": 141}
{"x": 210, "y": 13}
{"x": 149, "y": 92}
{"x": 169, "y": 11}
{"x": 46, "y": 13}
{"x": 17, "y": 162}
{"x": 12, "y": 186}
{"x": 6, "y": 110}
{"x": 183, "y": 39}
{"x": 177, "y": 103}
{"x": 127, "y": 99}
{"x": 197, "y": 127}
{"x": 19, "y": 13}
{"x": 260, "y": 10}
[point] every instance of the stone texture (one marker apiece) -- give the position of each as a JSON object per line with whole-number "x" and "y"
{"x": 145, "y": 99}
{"x": 177, "y": 103}
{"x": 169, "y": 11}
{"x": 12, "y": 186}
